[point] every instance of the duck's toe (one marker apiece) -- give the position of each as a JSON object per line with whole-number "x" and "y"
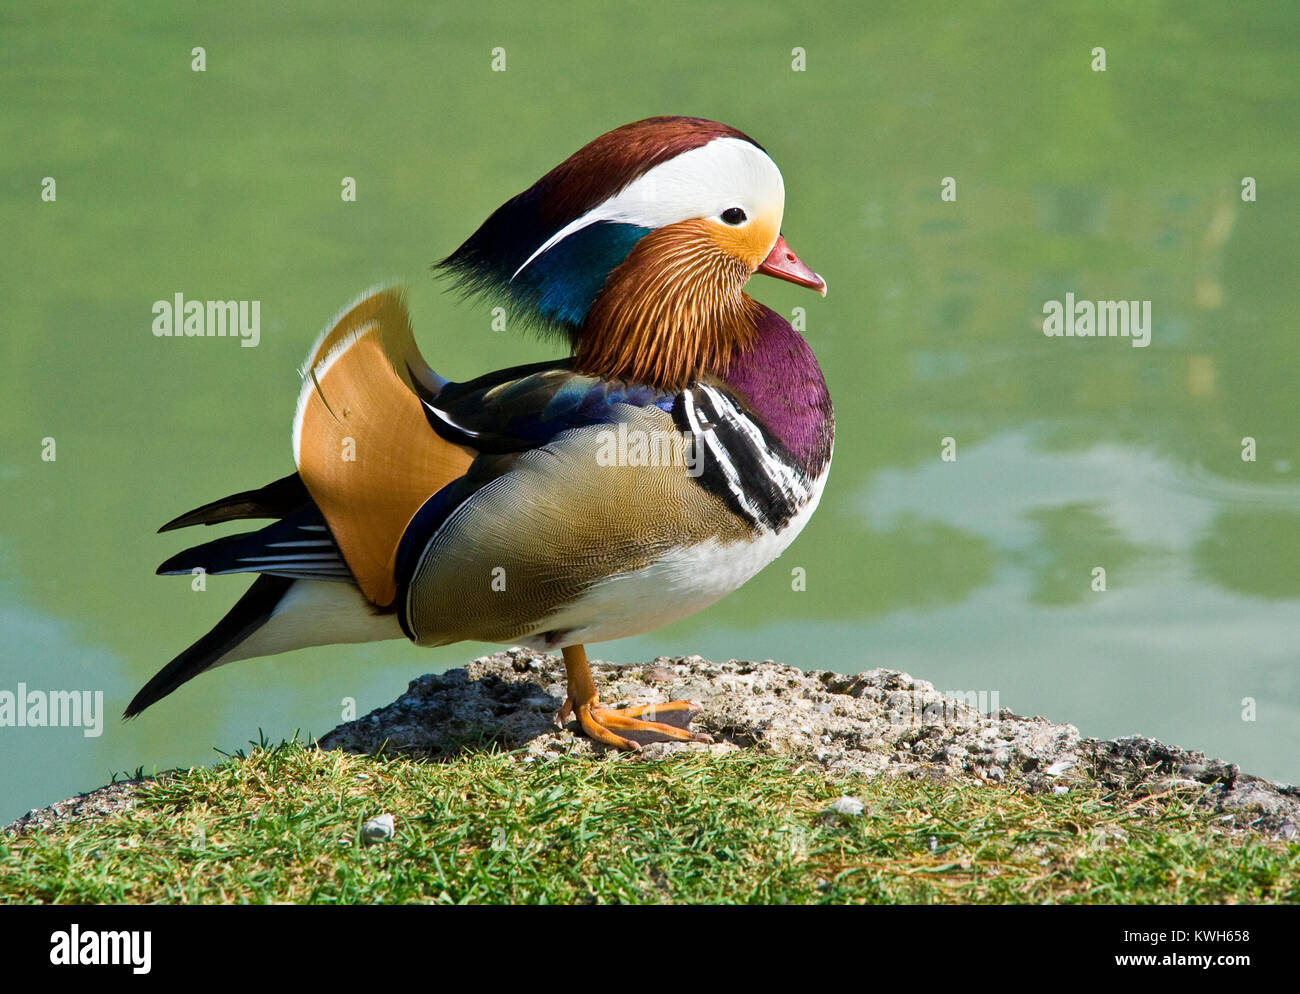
{"x": 632, "y": 727}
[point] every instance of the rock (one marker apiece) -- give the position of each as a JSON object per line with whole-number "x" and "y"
{"x": 378, "y": 829}
{"x": 93, "y": 805}
{"x": 879, "y": 722}
{"x": 847, "y": 807}
{"x": 871, "y": 723}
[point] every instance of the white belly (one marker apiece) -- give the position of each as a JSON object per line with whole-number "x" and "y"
{"x": 686, "y": 580}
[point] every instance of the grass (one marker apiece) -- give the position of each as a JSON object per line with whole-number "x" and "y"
{"x": 284, "y": 824}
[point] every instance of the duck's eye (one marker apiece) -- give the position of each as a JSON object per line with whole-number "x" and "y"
{"x": 734, "y": 215}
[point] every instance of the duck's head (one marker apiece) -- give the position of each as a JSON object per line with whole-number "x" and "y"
{"x": 638, "y": 247}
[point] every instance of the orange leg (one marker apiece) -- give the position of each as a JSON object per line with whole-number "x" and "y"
{"x": 603, "y": 724}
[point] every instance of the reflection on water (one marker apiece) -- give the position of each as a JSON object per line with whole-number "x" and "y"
{"x": 1178, "y": 639}
{"x": 1046, "y": 515}
{"x": 1071, "y": 453}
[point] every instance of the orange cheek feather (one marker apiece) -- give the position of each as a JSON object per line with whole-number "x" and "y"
{"x": 750, "y": 243}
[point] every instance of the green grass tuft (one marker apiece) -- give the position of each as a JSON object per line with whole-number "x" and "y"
{"x": 284, "y": 824}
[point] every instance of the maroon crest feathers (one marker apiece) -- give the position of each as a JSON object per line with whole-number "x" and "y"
{"x": 606, "y": 164}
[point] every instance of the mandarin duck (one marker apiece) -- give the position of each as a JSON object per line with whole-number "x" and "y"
{"x": 502, "y": 509}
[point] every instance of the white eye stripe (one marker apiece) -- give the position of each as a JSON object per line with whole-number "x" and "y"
{"x": 701, "y": 182}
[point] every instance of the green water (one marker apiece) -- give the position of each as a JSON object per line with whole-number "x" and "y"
{"x": 974, "y": 574}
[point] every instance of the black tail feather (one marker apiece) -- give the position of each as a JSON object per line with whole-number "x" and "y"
{"x": 299, "y": 545}
{"x": 249, "y": 614}
{"x": 275, "y": 500}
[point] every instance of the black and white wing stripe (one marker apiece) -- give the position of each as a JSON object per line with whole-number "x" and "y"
{"x": 740, "y": 464}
